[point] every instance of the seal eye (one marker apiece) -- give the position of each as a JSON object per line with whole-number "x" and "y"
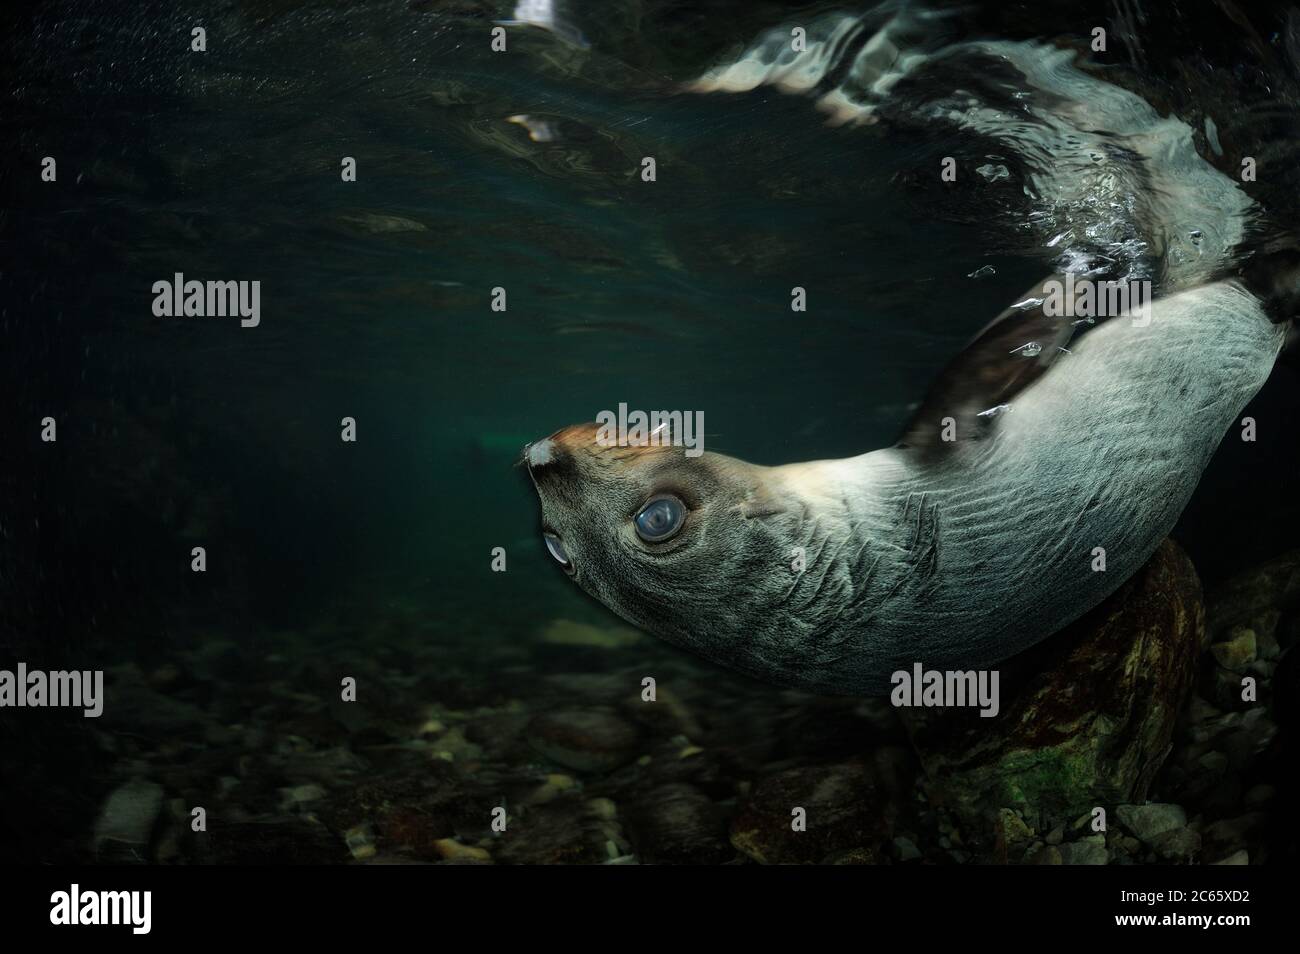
{"x": 557, "y": 550}
{"x": 659, "y": 519}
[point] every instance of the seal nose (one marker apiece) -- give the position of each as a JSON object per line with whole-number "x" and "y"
{"x": 539, "y": 453}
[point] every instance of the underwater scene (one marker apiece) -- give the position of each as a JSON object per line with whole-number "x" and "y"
{"x": 660, "y": 432}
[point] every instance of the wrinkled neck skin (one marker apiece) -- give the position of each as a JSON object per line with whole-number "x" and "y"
{"x": 891, "y": 559}
{"x": 855, "y": 538}
{"x": 858, "y": 544}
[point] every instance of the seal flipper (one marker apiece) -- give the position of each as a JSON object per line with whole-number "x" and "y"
{"x": 1012, "y": 352}
{"x": 1272, "y": 273}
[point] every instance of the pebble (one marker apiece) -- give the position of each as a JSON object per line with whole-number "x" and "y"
{"x": 1259, "y": 796}
{"x": 360, "y": 842}
{"x": 1085, "y": 851}
{"x": 905, "y": 849}
{"x": 449, "y": 849}
{"x": 127, "y": 820}
{"x": 1148, "y": 821}
{"x": 1178, "y": 844}
{"x": 552, "y": 788}
{"x": 1213, "y": 762}
{"x": 1230, "y": 834}
{"x": 1241, "y": 857}
{"x": 678, "y": 824}
{"x": 1015, "y": 834}
{"x": 1049, "y": 855}
{"x": 300, "y": 795}
{"x": 585, "y": 740}
{"x": 280, "y": 840}
{"x": 1238, "y": 652}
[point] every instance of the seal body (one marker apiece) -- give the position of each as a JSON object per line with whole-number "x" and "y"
{"x": 977, "y": 554}
{"x": 831, "y": 575}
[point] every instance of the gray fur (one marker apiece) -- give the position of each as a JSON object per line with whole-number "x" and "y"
{"x": 959, "y": 559}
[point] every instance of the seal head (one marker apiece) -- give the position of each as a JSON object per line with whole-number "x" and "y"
{"x": 681, "y": 546}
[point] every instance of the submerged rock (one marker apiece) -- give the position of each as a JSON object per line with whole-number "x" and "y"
{"x": 127, "y": 821}
{"x": 563, "y": 832}
{"x": 905, "y": 849}
{"x": 406, "y": 813}
{"x": 842, "y": 808}
{"x": 1230, "y": 835}
{"x": 1086, "y": 717}
{"x": 678, "y": 824}
{"x": 1257, "y": 600}
{"x": 1178, "y": 844}
{"x": 1047, "y": 855}
{"x": 454, "y": 852}
{"x": 293, "y": 840}
{"x": 586, "y": 740}
{"x": 1236, "y": 858}
{"x": 1148, "y": 821}
{"x": 1238, "y": 651}
{"x": 1086, "y": 851}
{"x": 1011, "y": 836}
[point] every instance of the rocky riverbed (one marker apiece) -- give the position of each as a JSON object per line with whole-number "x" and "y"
{"x": 454, "y": 734}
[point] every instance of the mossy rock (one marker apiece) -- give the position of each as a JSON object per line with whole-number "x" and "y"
{"x": 1086, "y": 717}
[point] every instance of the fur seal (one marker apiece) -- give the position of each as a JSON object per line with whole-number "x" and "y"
{"x": 1031, "y": 482}
{"x": 955, "y": 554}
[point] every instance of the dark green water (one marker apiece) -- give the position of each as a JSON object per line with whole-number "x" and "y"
{"x": 376, "y": 293}
{"x": 376, "y": 305}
